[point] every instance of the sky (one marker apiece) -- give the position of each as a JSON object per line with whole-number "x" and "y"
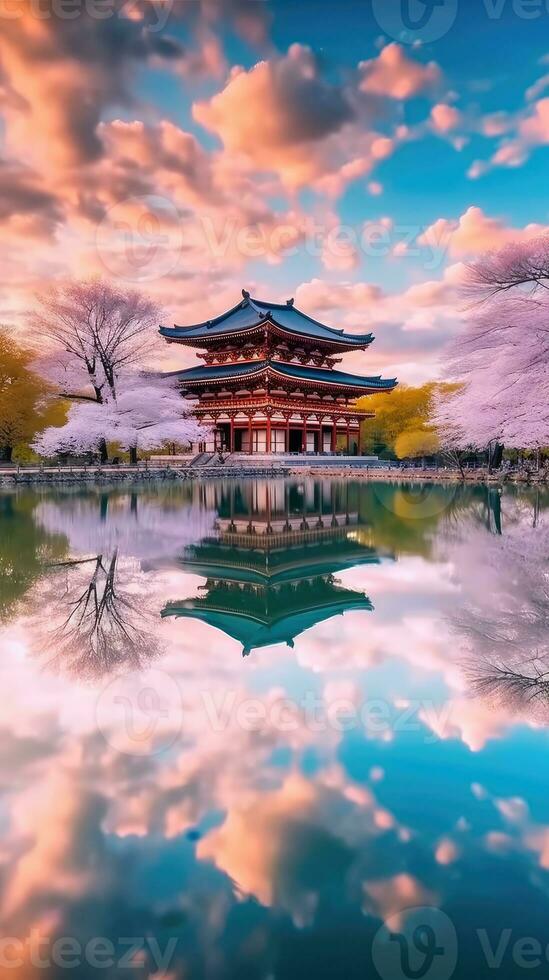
{"x": 352, "y": 155}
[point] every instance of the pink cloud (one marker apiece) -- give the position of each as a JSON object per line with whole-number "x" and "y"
{"x": 290, "y": 113}
{"x": 393, "y": 75}
{"x": 445, "y": 118}
{"x": 474, "y": 232}
{"x": 296, "y": 124}
{"x": 526, "y": 131}
{"x": 375, "y": 188}
{"x": 535, "y": 128}
{"x": 496, "y": 124}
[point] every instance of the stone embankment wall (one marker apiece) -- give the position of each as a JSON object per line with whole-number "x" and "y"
{"x": 123, "y": 474}
{"x": 118, "y": 475}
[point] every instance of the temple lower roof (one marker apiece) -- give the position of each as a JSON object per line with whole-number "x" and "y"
{"x": 222, "y": 560}
{"x": 251, "y": 313}
{"x": 297, "y": 372}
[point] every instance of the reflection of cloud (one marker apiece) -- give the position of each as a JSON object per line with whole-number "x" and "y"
{"x": 285, "y": 846}
{"x": 61, "y": 864}
{"x": 390, "y": 896}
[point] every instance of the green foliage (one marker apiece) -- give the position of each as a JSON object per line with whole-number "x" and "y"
{"x": 26, "y": 548}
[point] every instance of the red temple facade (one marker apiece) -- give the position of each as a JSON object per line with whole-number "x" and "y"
{"x": 269, "y": 382}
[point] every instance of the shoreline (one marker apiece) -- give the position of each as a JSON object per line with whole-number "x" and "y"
{"x": 101, "y": 475}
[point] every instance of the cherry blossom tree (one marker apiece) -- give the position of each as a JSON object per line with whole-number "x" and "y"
{"x": 91, "y": 333}
{"x": 146, "y": 413}
{"x": 502, "y": 358}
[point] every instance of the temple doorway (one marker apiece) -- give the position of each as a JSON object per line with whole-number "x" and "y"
{"x": 296, "y": 441}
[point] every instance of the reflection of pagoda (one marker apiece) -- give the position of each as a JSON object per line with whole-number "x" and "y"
{"x": 270, "y": 570}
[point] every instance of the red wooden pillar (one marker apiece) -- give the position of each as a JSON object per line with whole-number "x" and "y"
{"x": 232, "y": 435}
{"x": 304, "y": 436}
{"x": 268, "y": 433}
{"x": 250, "y": 433}
{"x": 333, "y": 443}
{"x": 215, "y": 439}
{"x": 288, "y": 434}
{"x": 348, "y": 440}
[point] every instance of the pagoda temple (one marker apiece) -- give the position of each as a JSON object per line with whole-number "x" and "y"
{"x": 270, "y": 567}
{"x": 269, "y": 382}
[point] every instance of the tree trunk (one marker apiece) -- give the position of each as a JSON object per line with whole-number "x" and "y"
{"x": 495, "y": 457}
{"x": 6, "y": 454}
{"x": 133, "y": 456}
{"x": 103, "y": 452}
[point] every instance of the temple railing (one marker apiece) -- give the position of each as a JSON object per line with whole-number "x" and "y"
{"x": 271, "y": 405}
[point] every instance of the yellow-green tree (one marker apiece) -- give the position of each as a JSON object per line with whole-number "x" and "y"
{"x": 416, "y": 442}
{"x": 26, "y": 549}
{"x": 27, "y": 402}
{"x": 407, "y": 410}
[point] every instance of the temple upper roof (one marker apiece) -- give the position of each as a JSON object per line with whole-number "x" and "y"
{"x": 253, "y": 634}
{"x": 251, "y": 313}
{"x": 296, "y": 372}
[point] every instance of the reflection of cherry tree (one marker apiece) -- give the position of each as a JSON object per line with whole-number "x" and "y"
{"x": 100, "y": 619}
{"x": 95, "y": 611}
{"x": 521, "y": 689}
{"x": 503, "y": 619}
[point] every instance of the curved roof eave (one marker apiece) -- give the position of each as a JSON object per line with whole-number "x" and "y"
{"x": 265, "y": 312}
{"x": 226, "y": 372}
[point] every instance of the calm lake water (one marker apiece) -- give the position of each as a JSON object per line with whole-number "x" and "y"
{"x": 274, "y": 729}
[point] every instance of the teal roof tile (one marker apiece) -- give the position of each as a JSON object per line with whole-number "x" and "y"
{"x": 219, "y": 372}
{"x": 250, "y": 313}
